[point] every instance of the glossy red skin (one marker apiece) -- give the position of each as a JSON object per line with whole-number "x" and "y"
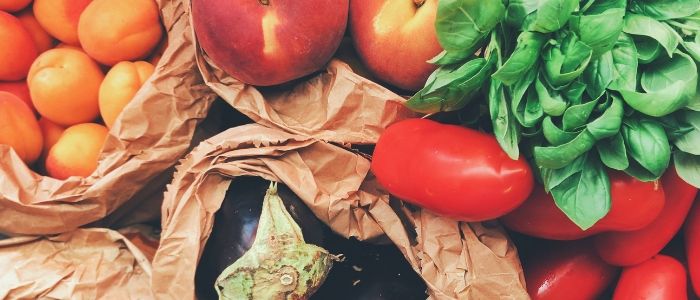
{"x": 634, "y": 247}
{"x": 635, "y": 204}
{"x": 573, "y": 266}
{"x": 308, "y": 33}
{"x": 451, "y": 170}
{"x": 659, "y": 278}
{"x": 692, "y": 245}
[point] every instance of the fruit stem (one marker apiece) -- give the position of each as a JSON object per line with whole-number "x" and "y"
{"x": 267, "y": 2}
{"x": 418, "y": 2}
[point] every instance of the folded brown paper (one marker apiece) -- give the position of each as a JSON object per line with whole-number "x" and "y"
{"x": 82, "y": 264}
{"x": 154, "y": 130}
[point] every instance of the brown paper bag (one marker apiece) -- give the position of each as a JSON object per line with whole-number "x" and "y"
{"x": 154, "y": 130}
{"x": 457, "y": 260}
{"x": 81, "y": 264}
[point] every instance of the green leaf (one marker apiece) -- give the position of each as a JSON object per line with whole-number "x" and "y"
{"x": 505, "y": 128}
{"x": 688, "y": 167}
{"x": 554, "y": 177}
{"x": 518, "y": 10}
{"x": 522, "y": 59}
{"x": 648, "y": 49}
{"x": 624, "y": 56}
{"x": 555, "y": 135}
{"x": 576, "y": 115}
{"x": 689, "y": 142}
{"x": 613, "y": 153}
{"x": 559, "y": 156}
{"x": 585, "y": 196}
{"x": 665, "y": 9}
{"x": 647, "y": 144}
{"x": 566, "y": 62}
{"x": 574, "y": 92}
{"x": 463, "y": 25}
{"x": 599, "y": 75}
{"x": 599, "y": 29}
{"x": 609, "y": 122}
{"x": 552, "y": 103}
{"x": 528, "y": 112}
{"x": 646, "y": 26}
{"x": 551, "y": 15}
{"x": 669, "y": 84}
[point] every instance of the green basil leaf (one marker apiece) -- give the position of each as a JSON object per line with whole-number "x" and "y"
{"x": 646, "y": 26}
{"x": 505, "y": 128}
{"x": 554, "y": 135}
{"x": 574, "y": 92}
{"x": 648, "y": 49}
{"x": 518, "y": 10}
{"x": 624, "y": 55}
{"x": 669, "y": 85}
{"x": 689, "y": 142}
{"x": 527, "y": 112}
{"x": 551, "y": 15}
{"x": 613, "y": 153}
{"x": 576, "y": 115}
{"x": 552, "y": 103}
{"x": 463, "y": 25}
{"x": 599, "y": 29}
{"x": 566, "y": 62}
{"x": 647, "y": 144}
{"x": 559, "y": 156}
{"x": 665, "y": 9}
{"x": 449, "y": 58}
{"x": 609, "y": 122}
{"x": 599, "y": 75}
{"x": 552, "y": 178}
{"x": 585, "y": 197}
{"x": 688, "y": 167}
{"x": 522, "y": 59}
{"x": 693, "y": 49}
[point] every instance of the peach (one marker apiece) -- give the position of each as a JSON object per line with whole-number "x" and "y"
{"x": 269, "y": 42}
{"x": 113, "y": 31}
{"x": 19, "y": 128}
{"x": 51, "y": 133}
{"x": 13, "y": 5}
{"x": 395, "y": 38}
{"x": 17, "y": 50}
{"x": 120, "y": 85}
{"x": 42, "y": 39}
{"x": 64, "y": 85}
{"x": 77, "y": 151}
{"x": 19, "y": 89}
{"x": 60, "y": 17}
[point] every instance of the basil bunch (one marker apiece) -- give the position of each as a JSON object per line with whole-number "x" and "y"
{"x": 577, "y": 87}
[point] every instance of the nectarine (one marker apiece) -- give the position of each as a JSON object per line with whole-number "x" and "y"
{"x": 51, "y": 133}
{"x": 13, "y": 5}
{"x": 113, "y": 31}
{"x": 19, "y": 128}
{"x": 77, "y": 151}
{"x": 60, "y": 17}
{"x": 120, "y": 85}
{"x": 395, "y": 39}
{"x": 64, "y": 85}
{"x": 18, "y": 49}
{"x": 269, "y": 42}
{"x": 42, "y": 39}
{"x": 19, "y": 89}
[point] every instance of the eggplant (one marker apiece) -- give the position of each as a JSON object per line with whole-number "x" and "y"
{"x": 369, "y": 272}
{"x": 236, "y": 224}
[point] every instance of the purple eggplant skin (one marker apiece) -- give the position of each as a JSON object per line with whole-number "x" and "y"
{"x": 369, "y": 272}
{"x": 236, "y": 223}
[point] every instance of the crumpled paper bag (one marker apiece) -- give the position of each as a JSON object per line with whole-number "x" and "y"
{"x": 457, "y": 260}
{"x": 153, "y": 131}
{"x": 81, "y": 264}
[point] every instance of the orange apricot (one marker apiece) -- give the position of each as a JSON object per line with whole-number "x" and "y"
{"x": 60, "y": 17}
{"x": 77, "y": 151}
{"x": 17, "y": 49}
{"x": 64, "y": 84}
{"x": 19, "y": 128}
{"x": 120, "y": 85}
{"x": 19, "y": 89}
{"x": 126, "y": 30}
{"x": 13, "y": 5}
{"x": 42, "y": 39}
{"x": 51, "y": 133}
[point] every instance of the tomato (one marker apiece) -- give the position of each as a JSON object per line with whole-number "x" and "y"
{"x": 634, "y": 247}
{"x": 659, "y": 278}
{"x": 557, "y": 272}
{"x": 634, "y": 205}
{"x": 692, "y": 246}
{"x": 452, "y": 170}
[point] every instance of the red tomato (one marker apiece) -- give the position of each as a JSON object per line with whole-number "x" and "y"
{"x": 634, "y": 247}
{"x": 634, "y": 205}
{"x": 569, "y": 271}
{"x": 451, "y": 170}
{"x": 660, "y": 278}
{"x": 692, "y": 246}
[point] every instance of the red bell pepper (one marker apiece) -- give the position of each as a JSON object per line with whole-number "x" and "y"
{"x": 692, "y": 246}
{"x": 660, "y": 278}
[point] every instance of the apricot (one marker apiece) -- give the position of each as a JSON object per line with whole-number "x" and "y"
{"x": 120, "y": 85}
{"x": 19, "y": 89}
{"x": 51, "y": 133}
{"x": 17, "y": 49}
{"x": 64, "y": 84}
{"x": 13, "y": 5}
{"x": 42, "y": 39}
{"x": 19, "y": 128}
{"x": 126, "y": 30}
{"x": 77, "y": 151}
{"x": 60, "y": 17}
